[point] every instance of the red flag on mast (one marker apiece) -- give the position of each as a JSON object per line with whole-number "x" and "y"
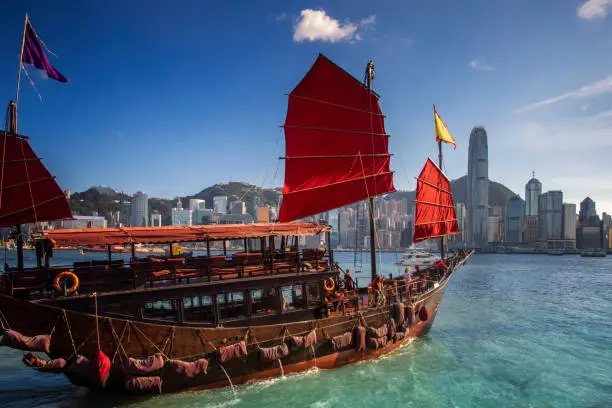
{"x": 34, "y": 54}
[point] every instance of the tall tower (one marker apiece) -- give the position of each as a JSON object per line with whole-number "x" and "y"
{"x": 478, "y": 188}
{"x": 533, "y": 189}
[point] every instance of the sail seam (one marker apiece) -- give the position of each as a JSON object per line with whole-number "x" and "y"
{"x": 342, "y": 156}
{"x": 434, "y": 186}
{"x": 32, "y": 207}
{"x": 336, "y": 105}
{"x": 20, "y": 160}
{"x": 339, "y": 182}
{"x": 435, "y": 204}
{"x": 30, "y": 182}
{"x": 435, "y": 222}
{"x": 352, "y": 132}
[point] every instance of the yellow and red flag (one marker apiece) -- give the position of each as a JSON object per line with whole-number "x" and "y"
{"x": 442, "y": 132}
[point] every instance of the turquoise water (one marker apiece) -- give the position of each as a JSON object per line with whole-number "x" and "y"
{"x": 512, "y": 331}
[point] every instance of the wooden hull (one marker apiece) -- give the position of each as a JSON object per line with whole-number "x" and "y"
{"x": 76, "y": 333}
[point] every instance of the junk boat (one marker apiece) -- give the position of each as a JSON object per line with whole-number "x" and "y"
{"x": 169, "y": 323}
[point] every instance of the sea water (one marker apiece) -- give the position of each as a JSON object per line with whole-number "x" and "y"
{"x": 512, "y": 331}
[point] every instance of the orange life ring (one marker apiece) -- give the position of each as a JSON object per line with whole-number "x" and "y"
{"x": 329, "y": 287}
{"x": 423, "y": 314}
{"x": 70, "y": 275}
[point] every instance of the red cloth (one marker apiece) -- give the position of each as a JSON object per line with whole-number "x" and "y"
{"x": 235, "y": 351}
{"x": 182, "y": 370}
{"x": 143, "y": 384}
{"x": 101, "y": 365}
{"x": 140, "y": 367}
{"x": 304, "y": 341}
{"x": 273, "y": 353}
{"x": 342, "y": 341}
{"x": 18, "y": 341}
{"x": 440, "y": 265}
{"x": 435, "y": 208}
{"x": 330, "y": 113}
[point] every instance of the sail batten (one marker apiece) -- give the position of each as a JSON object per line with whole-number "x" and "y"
{"x": 435, "y": 209}
{"x": 28, "y": 192}
{"x": 336, "y": 145}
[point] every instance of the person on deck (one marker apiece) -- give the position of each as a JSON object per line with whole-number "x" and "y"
{"x": 348, "y": 280}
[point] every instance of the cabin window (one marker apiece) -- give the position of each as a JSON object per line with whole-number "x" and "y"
{"x": 231, "y": 305}
{"x": 263, "y": 301}
{"x": 292, "y": 297}
{"x": 198, "y": 309}
{"x": 313, "y": 293}
{"x": 160, "y": 309}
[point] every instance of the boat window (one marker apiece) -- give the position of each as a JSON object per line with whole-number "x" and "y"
{"x": 198, "y": 309}
{"x": 292, "y": 297}
{"x": 231, "y": 305}
{"x": 161, "y": 309}
{"x": 263, "y": 301}
{"x": 313, "y": 293}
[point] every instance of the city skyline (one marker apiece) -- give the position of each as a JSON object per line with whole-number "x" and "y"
{"x": 544, "y": 106}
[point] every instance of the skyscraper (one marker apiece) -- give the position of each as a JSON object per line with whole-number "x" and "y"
{"x": 533, "y": 189}
{"x": 139, "y": 210}
{"x": 587, "y": 209}
{"x": 514, "y": 220}
{"x": 550, "y": 215}
{"x": 220, "y": 204}
{"x": 569, "y": 221}
{"x": 478, "y": 188}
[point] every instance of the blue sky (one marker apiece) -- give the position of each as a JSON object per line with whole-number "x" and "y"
{"x": 170, "y": 97}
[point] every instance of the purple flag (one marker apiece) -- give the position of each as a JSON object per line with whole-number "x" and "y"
{"x": 34, "y": 54}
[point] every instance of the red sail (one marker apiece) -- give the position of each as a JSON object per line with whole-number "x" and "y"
{"x": 28, "y": 192}
{"x": 435, "y": 208}
{"x": 336, "y": 144}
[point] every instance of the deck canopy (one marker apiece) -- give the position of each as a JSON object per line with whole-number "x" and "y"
{"x": 160, "y": 235}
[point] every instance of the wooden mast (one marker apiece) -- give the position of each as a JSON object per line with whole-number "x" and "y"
{"x": 440, "y": 165}
{"x": 369, "y": 76}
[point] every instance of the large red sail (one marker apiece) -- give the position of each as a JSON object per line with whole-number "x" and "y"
{"x": 435, "y": 208}
{"x": 28, "y": 192}
{"x": 336, "y": 144}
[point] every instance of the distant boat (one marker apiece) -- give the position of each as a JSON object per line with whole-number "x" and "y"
{"x": 555, "y": 252}
{"x": 417, "y": 257}
{"x": 594, "y": 253}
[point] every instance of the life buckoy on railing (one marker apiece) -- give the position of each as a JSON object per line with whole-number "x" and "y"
{"x": 70, "y": 275}
{"x": 329, "y": 284}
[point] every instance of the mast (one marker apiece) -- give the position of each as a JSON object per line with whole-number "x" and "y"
{"x": 440, "y": 165}
{"x": 369, "y": 77}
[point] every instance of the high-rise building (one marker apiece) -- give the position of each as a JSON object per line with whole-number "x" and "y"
{"x": 478, "y": 188}
{"x": 139, "y": 210}
{"x": 181, "y": 216}
{"x": 533, "y": 189}
{"x": 514, "y": 220}
{"x": 156, "y": 219}
{"x": 587, "y": 210}
{"x": 530, "y": 234}
{"x": 238, "y": 207}
{"x": 197, "y": 204}
{"x": 569, "y": 221}
{"x": 220, "y": 204}
{"x": 493, "y": 229}
{"x": 550, "y": 215}
{"x": 460, "y": 237}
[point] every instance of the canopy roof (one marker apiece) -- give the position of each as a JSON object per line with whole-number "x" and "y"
{"x": 158, "y": 235}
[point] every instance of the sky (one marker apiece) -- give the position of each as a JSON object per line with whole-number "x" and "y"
{"x": 171, "y": 97}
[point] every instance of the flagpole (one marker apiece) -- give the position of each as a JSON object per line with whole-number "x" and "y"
{"x": 25, "y": 24}
{"x": 439, "y": 165}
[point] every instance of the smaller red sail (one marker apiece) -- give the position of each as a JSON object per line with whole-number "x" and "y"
{"x": 28, "y": 192}
{"x": 435, "y": 208}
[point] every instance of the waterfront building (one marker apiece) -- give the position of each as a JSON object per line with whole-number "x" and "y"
{"x": 533, "y": 190}
{"x": 81, "y": 221}
{"x": 236, "y": 219}
{"x": 569, "y": 221}
{"x": 139, "y": 210}
{"x": 550, "y": 215}
{"x": 181, "y": 216}
{"x": 589, "y": 237}
{"x": 125, "y": 216}
{"x": 263, "y": 213}
{"x": 514, "y": 220}
{"x": 156, "y": 219}
{"x": 238, "y": 207}
{"x": 197, "y": 204}
{"x": 587, "y": 210}
{"x": 531, "y": 231}
{"x": 493, "y": 229}
{"x": 220, "y": 204}
{"x": 478, "y": 188}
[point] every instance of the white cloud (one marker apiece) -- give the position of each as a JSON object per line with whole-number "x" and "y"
{"x": 480, "y": 64}
{"x": 281, "y": 17}
{"x": 604, "y": 114}
{"x": 316, "y": 25}
{"x": 592, "y": 9}
{"x": 600, "y": 87}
